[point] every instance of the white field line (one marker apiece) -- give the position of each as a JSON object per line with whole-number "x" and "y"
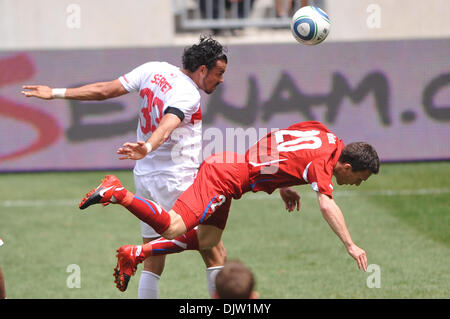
{"x": 248, "y": 196}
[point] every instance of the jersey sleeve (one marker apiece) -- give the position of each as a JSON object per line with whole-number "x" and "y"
{"x": 319, "y": 175}
{"x": 132, "y": 80}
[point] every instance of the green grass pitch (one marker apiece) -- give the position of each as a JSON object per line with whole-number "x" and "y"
{"x": 401, "y": 218}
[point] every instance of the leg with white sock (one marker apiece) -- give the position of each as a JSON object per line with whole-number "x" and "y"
{"x": 204, "y": 238}
{"x": 129, "y": 256}
{"x": 148, "y": 285}
{"x": 211, "y": 274}
{"x": 154, "y": 265}
{"x": 149, "y": 281}
{"x": 214, "y": 259}
{"x": 170, "y": 224}
{"x": 156, "y": 188}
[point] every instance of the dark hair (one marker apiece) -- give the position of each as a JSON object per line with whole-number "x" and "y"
{"x": 235, "y": 281}
{"x": 361, "y": 156}
{"x": 207, "y": 52}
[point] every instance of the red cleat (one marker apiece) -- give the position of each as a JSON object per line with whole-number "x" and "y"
{"x": 128, "y": 257}
{"x": 103, "y": 193}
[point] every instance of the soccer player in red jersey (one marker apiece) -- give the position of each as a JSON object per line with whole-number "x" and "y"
{"x": 304, "y": 153}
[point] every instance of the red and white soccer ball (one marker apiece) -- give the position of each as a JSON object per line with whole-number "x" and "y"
{"x": 310, "y": 25}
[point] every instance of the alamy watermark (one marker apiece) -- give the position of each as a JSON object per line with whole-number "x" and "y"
{"x": 73, "y": 19}
{"x": 240, "y": 145}
{"x": 214, "y": 141}
{"x": 374, "y": 279}
{"x": 373, "y": 20}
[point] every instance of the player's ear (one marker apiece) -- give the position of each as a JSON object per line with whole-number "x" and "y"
{"x": 348, "y": 167}
{"x": 203, "y": 69}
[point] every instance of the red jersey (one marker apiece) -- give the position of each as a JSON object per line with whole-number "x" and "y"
{"x": 304, "y": 153}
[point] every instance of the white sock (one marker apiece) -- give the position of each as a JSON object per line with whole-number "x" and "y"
{"x": 148, "y": 285}
{"x": 211, "y": 274}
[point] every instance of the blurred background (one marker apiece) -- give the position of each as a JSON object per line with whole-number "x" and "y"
{"x": 53, "y": 24}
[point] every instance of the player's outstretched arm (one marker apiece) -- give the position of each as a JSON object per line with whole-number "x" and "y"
{"x": 290, "y": 198}
{"x": 334, "y": 217}
{"x": 91, "y": 92}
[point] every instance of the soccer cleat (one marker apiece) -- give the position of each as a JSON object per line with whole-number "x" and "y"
{"x": 128, "y": 257}
{"x": 103, "y": 193}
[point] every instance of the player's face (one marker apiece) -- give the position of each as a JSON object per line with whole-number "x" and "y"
{"x": 347, "y": 176}
{"x": 214, "y": 77}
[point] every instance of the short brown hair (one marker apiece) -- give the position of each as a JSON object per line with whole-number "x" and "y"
{"x": 235, "y": 281}
{"x": 207, "y": 52}
{"x": 361, "y": 156}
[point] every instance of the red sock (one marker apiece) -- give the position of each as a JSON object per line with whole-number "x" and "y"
{"x": 162, "y": 246}
{"x": 144, "y": 209}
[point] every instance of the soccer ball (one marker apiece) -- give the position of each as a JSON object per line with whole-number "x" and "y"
{"x": 310, "y": 25}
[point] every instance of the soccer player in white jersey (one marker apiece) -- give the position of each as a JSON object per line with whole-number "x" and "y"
{"x": 170, "y": 129}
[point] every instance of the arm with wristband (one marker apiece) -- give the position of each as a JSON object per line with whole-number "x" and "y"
{"x": 91, "y": 92}
{"x": 140, "y": 149}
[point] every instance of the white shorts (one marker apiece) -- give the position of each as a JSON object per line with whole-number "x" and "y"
{"x": 163, "y": 188}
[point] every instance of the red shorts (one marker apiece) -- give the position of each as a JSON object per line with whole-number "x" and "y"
{"x": 207, "y": 201}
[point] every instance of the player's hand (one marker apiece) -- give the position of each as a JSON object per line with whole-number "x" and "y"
{"x": 39, "y": 91}
{"x": 133, "y": 151}
{"x": 359, "y": 255}
{"x": 291, "y": 198}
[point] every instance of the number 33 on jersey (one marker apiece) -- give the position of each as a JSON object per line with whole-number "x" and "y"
{"x": 163, "y": 89}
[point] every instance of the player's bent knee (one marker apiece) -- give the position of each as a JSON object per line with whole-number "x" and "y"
{"x": 208, "y": 236}
{"x": 207, "y": 243}
{"x": 176, "y": 227}
{"x": 171, "y": 233}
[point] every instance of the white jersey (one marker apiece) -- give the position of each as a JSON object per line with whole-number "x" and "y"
{"x": 163, "y": 88}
